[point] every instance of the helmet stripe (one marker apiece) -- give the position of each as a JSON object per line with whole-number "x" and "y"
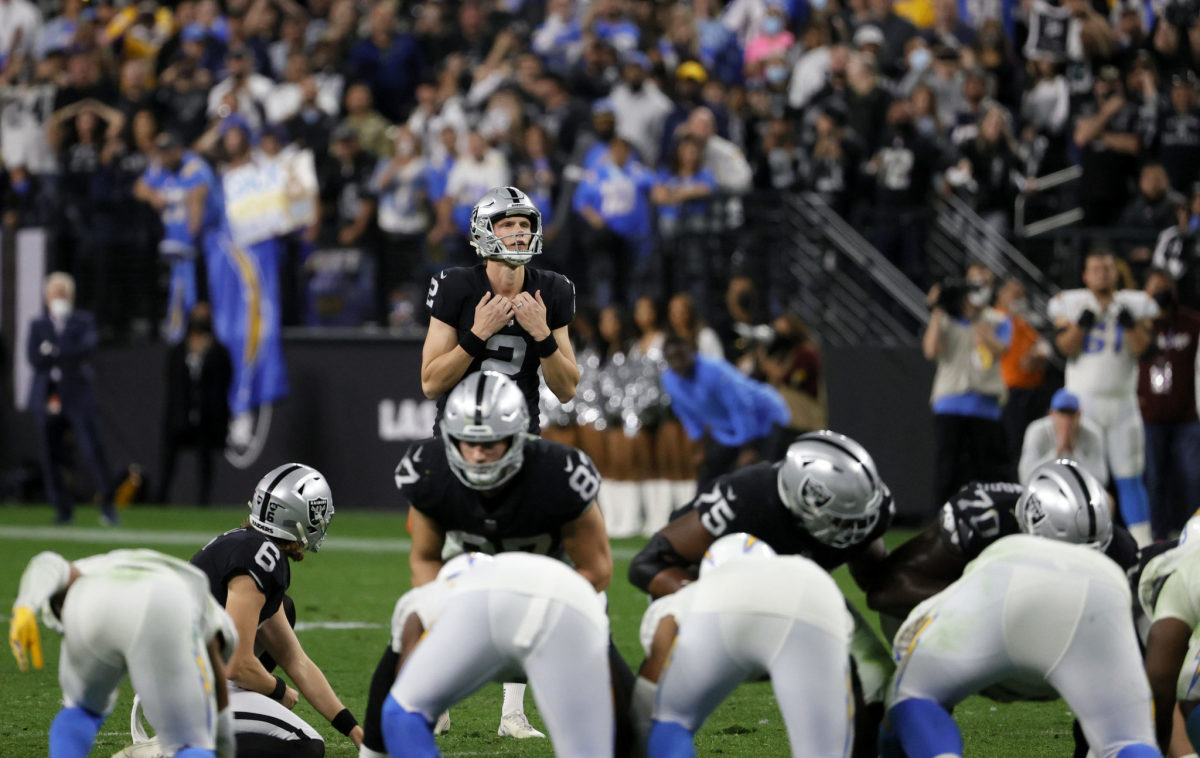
{"x": 270, "y": 490}
{"x": 479, "y": 390}
{"x": 1087, "y": 499}
{"x": 838, "y": 446}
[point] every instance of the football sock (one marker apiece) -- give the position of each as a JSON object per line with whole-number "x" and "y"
{"x": 72, "y": 733}
{"x": 366, "y": 752}
{"x": 925, "y": 729}
{"x": 670, "y": 740}
{"x": 514, "y": 698}
{"x": 641, "y": 709}
{"x": 1139, "y": 751}
{"x": 1135, "y": 507}
{"x": 381, "y": 683}
{"x": 407, "y": 735}
{"x": 195, "y": 752}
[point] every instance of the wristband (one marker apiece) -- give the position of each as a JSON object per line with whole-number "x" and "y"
{"x": 280, "y": 689}
{"x": 546, "y": 347}
{"x": 344, "y": 722}
{"x": 472, "y": 344}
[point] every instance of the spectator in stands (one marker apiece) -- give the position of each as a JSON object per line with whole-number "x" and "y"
{"x": 182, "y": 93}
{"x": 967, "y": 339}
{"x": 948, "y": 27}
{"x": 558, "y": 40}
{"x": 896, "y": 30}
{"x": 1045, "y": 111}
{"x": 723, "y": 159}
{"x": 972, "y": 106}
{"x": 640, "y": 108}
{"x": 743, "y": 326}
{"x": 690, "y": 77}
{"x": 596, "y": 71}
{"x": 312, "y": 125}
{"x": 614, "y": 201}
{"x": 21, "y": 195}
{"x": 1179, "y": 133}
{"x": 1022, "y": 368}
{"x": 399, "y": 185}
{"x": 1063, "y": 433}
{"x": 1152, "y": 210}
{"x": 563, "y": 117}
{"x": 781, "y": 163}
{"x": 248, "y": 89}
{"x": 685, "y": 320}
{"x": 347, "y": 205}
{"x": 1177, "y": 251}
{"x": 867, "y": 101}
{"x": 1105, "y": 133}
{"x": 680, "y": 193}
{"x": 62, "y": 395}
{"x": 20, "y": 29}
{"x": 474, "y": 173}
{"x": 367, "y": 123}
{"x": 792, "y": 364}
{"x": 199, "y": 373}
{"x": 991, "y": 170}
{"x": 740, "y": 421}
{"x": 1167, "y": 396}
{"x": 773, "y": 39}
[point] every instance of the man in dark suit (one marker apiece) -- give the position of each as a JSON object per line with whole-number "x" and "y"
{"x": 199, "y": 372}
{"x": 63, "y": 395}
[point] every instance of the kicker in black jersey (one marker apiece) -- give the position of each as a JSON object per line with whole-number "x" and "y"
{"x": 556, "y": 485}
{"x": 246, "y": 551}
{"x": 453, "y": 295}
{"x": 747, "y": 500}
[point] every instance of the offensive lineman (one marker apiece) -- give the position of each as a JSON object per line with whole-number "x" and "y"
{"x": 501, "y": 315}
{"x": 1102, "y": 332}
{"x": 1032, "y": 616}
{"x": 752, "y": 613}
{"x": 489, "y": 486}
{"x": 517, "y": 613}
{"x": 825, "y": 501}
{"x": 138, "y": 612}
{"x": 249, "y": 570}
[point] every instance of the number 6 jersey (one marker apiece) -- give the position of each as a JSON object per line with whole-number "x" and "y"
{"x": 250, "y": 552}
{"x": 556, "y": 485}
{"x": 452, "y": 297}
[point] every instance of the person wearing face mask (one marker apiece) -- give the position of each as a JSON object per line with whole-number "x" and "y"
{"x": 199, "y": 372}
{"x": 62, "y": 395}
{"x": 770, "y": 43}
{"x": 1167, "y": 396}
{"x": 967, "y": 339}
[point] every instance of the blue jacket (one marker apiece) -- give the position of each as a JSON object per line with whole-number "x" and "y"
{"x": 69, "y": 351}
{"x": 733, "y": 408}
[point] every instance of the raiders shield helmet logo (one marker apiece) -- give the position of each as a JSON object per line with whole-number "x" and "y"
{"x": 1034, "y": 512}
{"x": 814, "y": 494}
{"x": 318, "y": 511}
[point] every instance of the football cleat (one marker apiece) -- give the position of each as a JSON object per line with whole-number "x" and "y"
{"x": 443, "y": 723}
{"x": 516, "y": 725}
{"x": 149, "y": 749}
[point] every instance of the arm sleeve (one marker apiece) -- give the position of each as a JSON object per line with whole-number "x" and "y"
{"x": 46, "y": 574}
{"x": 444, "y": 301}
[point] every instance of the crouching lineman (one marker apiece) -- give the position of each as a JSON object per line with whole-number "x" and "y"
{"x": 249, "y": 570}
{"x": 516, "y": 614}
{"x": 1029, "y": 619}
{"x": 488, "y": 486}
{"x": 138, "y": 612}
{"x": 824, "y": 501}
{"x": 753, "y": 613}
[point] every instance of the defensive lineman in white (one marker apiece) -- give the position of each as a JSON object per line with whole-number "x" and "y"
{"x": 138, "y": 612}
{"x": 1102, "y": 332}
{"x": 754, "y": 613}
{"x": 517, "y": 613}
{"x": 1031, "y": 617}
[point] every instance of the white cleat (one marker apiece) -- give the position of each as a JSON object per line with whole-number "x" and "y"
{"x": 149, "y": 749}
{"x": 516, "y": 725}
{"x": 443, "y": 723}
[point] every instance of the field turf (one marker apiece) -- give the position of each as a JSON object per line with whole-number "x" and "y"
{"x": 344, "y": 598}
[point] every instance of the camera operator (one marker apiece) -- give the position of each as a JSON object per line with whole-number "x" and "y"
{"x": 967, "y": 338}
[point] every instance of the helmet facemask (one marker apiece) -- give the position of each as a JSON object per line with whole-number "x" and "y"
{"x": 490, "y": 475}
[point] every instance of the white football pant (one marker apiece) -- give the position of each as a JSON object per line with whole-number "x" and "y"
{"x": 1124, "y": 436}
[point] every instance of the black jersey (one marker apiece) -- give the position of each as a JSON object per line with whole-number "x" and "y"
{"x": 747, "y": 500}
{"x": 250, "y": 552}
{"x": 453, "y": 295}
{"x": 555, "y": 485}
{"x": 982, "y": 512}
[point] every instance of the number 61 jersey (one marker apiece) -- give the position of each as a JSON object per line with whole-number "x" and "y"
{"x": 249, "y": 552}
{"x": 555, "y": 486}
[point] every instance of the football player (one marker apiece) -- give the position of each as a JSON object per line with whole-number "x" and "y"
{"x": 1102, "y": 332}
{"x": 249, "y": 570}
{"x": 824, "y": 501}
{"x": 517, "y": 614}
{"x": 1029, "y": 619}
{"x": 135, "y": 612}
{"x": 976, "y": 516}
{"x": 488, "y": 486}
{"x": 751, "y": 614}
{"x": 501, "y": 315}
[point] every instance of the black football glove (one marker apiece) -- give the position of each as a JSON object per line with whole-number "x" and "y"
{"x": 1125, "y": 319}
{"x": 1087, "y": 320}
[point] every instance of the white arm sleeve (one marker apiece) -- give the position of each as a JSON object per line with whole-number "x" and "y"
{"x": 46, "y": 574}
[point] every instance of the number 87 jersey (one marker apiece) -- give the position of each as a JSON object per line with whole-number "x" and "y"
{"x": 555, "y": 486}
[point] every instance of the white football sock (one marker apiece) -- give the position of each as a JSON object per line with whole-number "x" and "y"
{"x": 641, "y": 712}
{"x": 366, "y": 752}
{"x": 1141, "y": 533}
{"x": 514, "y": 698}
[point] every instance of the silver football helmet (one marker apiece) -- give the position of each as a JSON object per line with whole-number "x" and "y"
{"x": 830, "y": 483}
{"x": 498, "y": 203}
{"x": 293, "y": 502}
{"x": 733, "y": 547}
{"x": 485, "y": 407}
{"x": 1063, "y": 502}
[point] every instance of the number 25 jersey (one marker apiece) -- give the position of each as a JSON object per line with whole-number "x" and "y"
{"x": 556, "y": 485}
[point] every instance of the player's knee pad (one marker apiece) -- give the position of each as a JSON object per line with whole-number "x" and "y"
{"x": 925, "y": 729}
{"x": 195, "y": 752}
{"x": 670, "y": 740}
{"x": 1141, "y": 751}
{"x": 72, "y": 732}
{"x": 406, "y": 734}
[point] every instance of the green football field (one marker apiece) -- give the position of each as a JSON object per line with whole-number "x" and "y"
{"x": 344, "y": 598}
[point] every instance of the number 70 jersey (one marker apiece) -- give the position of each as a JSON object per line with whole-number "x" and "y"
{"x": 1105, "y": 365}
{"x": 555, "y": 486}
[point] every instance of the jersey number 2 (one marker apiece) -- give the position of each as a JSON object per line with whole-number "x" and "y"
{"x": 506, "y": 354}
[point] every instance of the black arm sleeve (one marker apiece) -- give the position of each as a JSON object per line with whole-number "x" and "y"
{"x": 658, "y": 555}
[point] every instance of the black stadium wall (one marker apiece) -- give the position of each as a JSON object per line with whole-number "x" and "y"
{"x": 356, "y": 403}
